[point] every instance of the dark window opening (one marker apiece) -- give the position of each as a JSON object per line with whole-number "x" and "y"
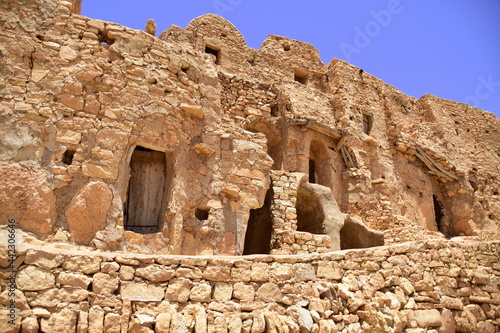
{"x": 274, "y": 110}
{"x": 259, "y": 228}
{"x": 201, "y": 214}
{"x": 367, "y": 123}
{"x": 300, "y": 76}
{"x": 104, "y": 39}
{"x": 184, "y": 69}
{"x": 68, "y": 156}
{"x": 312, "y": 171}
{"x": 438, "y": 213}
{"x": 286, "y": 47}
{"x": 213, "y": 51}
{"x": 145, "y": 204}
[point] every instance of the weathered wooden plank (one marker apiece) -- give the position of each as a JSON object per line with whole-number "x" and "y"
{"x": 146, "y": 190}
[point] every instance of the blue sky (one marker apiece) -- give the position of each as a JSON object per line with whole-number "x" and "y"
{"x": 448, "y": 48}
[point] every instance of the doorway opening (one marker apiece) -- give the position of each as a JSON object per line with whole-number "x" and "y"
{"x": 320, "y": 169}
{"x": 145, "y": 203}
{"x": 312, "y": 171}
{"x": 438, "y": 213}
{"x": 310, "y": 216}
{"x": 259, "y": 228}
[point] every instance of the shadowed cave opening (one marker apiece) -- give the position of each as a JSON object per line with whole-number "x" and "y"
{"x": 300, "y": 76}
{"x": 67, "y": 157}
{"x": 143, "y": 211}
{"x": 214, "y": 51}
{"x": 438, "y": 214}
{"x": 310, "y": 214}
{"x": 259, "y": 229}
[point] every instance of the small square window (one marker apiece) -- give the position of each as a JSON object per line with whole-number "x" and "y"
{"x": 300, "y": 76}
{"x": 214, "y": 51}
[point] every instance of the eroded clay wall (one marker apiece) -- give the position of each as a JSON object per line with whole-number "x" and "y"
{"x": 430, "y": 285}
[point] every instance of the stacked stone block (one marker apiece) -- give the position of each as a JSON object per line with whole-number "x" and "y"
{"x": 422, "y": 286}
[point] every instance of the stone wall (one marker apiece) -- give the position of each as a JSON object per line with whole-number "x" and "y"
{"x": 80, "y": 95}
{"x": 422, "y": 286}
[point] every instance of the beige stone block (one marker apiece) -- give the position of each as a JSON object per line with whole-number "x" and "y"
{"x": 45, "y": 260}
{"x": 328, "y": 270}
{"x": 74, "y": 88}
{"x": 269, "y": 292}
{"x": 235, "y": 324}
{"x": 178, "y": 290}
{"x": 99, "y": 171}
{"x": 240, "y": 274}
{"x": 33, "y": 278}
{"x": 74, "y": 279}
{"x": 480, "y": 276}
{"x": 127, "y": 273}
{"x": 260, "y": 272}
{"x": 112, "y": 323}
{"x": 281, "y": 272}
{"x": 84, "y": 264}
{"x": 21, "y": 301}
{"x": 38, "y": 72}
{"x": 452, "y": 303}
{"x": 89, "y": 73}
{"x": 30, "y": 325}
{"x": 67, "y": 53}
{"x": 87, "y": 211}
{"x": 193, "y": 110}
{"x": 259, "y": 322}
{"x": 104, "y": 284}
{"x": 109, "y": 267}
{"x": 155, "y": 273}
{"x": 141, "y": 292}
{"x": 428, "y": 318}
{"x": 222, "y": 292}
{"x": 96, "y": 320}
{"x": 243, "y": 291}
{"x": 201, "y": 292}
{"x": 98, "y": 24}
{"x": 304, "y": 272}
{"x": 5, "y": 326}
{"x": 41, "y": 312}
{"x": 75, "y": 102}
{"x": 163, "y": 321}
{"x": 63, "y": 321}
{"x": 217, "y": 273}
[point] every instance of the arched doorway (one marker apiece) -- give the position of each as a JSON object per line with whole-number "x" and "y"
{"x": 320, "y": 169}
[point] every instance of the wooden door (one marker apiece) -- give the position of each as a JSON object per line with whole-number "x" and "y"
{"x": 144, "y": 208}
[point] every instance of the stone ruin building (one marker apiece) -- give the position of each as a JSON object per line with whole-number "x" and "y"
{"x": 129, "y": 160}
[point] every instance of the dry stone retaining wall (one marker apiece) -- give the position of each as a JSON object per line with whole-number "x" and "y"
{"x": 432, "y": 286}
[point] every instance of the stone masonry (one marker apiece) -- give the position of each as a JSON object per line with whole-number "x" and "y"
{"x": 189, "y": 183}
